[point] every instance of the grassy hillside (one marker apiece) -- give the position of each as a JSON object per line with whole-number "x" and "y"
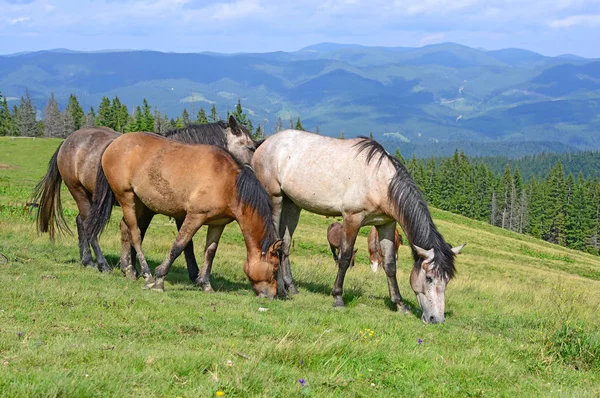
{"x": 521, "y": 316}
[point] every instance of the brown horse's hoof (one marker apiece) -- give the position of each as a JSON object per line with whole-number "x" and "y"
{"x": 130, "y": 273}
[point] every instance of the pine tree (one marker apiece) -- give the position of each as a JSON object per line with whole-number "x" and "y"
{"x": 68, "y": 124}
{"x": 5, "y": 117}
{"x": 201, "y": 118}
{"x": 90, "y": 118}
{"x": 147, "y": 123}
{"x": 371, "y": 135}
{"x": 242, "y": 117}
{"x": 53, "y": 120}
{"x": 137, "y": 122}
{"x": 278, "y": 125}
{"x": 258, "y": 135}
{"x": 398, "y": 156}
{"x": 119, "y": 115}
{"x": 555, "y": 205}
{"x": 342, "y": 135}
{"x": 299, "y": 125}
{"x": 104, "y": 113}
{"x": 185, "y": 117}
{"x": 26, "y": 121}
{"x": 214, "y": 116}
{"x": 15, "y": 121}
{"x": 75, "y": 110}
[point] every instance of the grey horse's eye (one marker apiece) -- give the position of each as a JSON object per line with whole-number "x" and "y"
{"x": 429, "y": 279}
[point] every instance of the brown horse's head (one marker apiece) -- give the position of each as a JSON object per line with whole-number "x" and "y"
{"x": 262, "y": 273}
{"x": 429, "y": 284}
{"x": 239, "y": 141}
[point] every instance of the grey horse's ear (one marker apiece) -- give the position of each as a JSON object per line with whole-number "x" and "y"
{"x": 233, "y": 125}
{"x": 458, "y": 249}
{"x": 426, "y": 255}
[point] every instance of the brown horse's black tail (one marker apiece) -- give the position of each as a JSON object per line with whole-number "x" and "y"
{"x": 49, "y": 217}
{"x": 102, "y": 205}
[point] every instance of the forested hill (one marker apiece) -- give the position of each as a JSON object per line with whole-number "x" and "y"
{"x": 437, "y": 96}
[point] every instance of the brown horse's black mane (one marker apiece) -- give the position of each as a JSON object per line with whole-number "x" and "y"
{"x": 251, "y": 193}
{"x": 409, "y": 206}
{"x": 207, "y": 134}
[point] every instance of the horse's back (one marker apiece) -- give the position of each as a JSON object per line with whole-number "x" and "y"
{"x": 321, "y": 174}
{"x": 80, "y": 154}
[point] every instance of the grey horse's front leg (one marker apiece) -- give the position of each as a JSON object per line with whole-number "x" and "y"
{"x": 386, "y": 242}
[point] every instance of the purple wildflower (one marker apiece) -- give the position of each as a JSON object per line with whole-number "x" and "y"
{"x": 20, "y": 334}
{"x": 301, "y": 362}
{"x": 302, "y": 382}
{"x": 420, "y": 341}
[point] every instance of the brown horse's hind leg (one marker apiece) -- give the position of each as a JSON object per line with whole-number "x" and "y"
{"x": 132, "y": 209}
{"x": 127, "y": 253}
{"x": 212, "y": 242}
{"x": 190, "y": 258}
{"x": 386, "y": 242}
{"x": 189, "y": 227}
{"x": 350, "y": 228}
{"x": 85, "y": 254}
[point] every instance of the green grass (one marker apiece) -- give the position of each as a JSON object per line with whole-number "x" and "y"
{"x": 521, "y": 316}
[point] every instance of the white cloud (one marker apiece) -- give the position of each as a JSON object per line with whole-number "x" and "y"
{"x": 431, "y": 38}
{"x": 18, "y": 20}
{"x": 589, "y": 20}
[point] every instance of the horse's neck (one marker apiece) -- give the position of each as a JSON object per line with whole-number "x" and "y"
{"x": 253, "y": 230}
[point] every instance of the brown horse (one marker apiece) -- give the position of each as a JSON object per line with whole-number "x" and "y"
{"x": 375, "y": 252}
{"x": 144, "y": 173}
{"x": 76, "y": 162}
{"x": 334, "y": 237}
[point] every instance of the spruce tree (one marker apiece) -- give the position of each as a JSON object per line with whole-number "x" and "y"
{"x": 201, "y": 118}
{"x": 278, "y": 125}
{"x": 299, "y": 124}
{"x": 68, "y": 124}
{"x": 242, "y": 117}
{"x": 214, "y": 116}
{"x": 104, "y": 117}
{"x": 6, "y": 122}
{"x": 185, "y": 117}
{"x": 26, "y": 121}
{"x": 147, "y": 122}
{"x": 53, "y": 119}
{"x": 75, "y": 110}
{"x": 90, "y": 118}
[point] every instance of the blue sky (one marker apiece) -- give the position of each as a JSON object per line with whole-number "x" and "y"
{"x": 551, "y": 27}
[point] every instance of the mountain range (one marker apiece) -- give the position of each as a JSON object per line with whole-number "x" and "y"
{"x": 428, "y": 99}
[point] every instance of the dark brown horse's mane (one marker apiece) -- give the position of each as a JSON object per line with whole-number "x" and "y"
{"x": 251, "y": 193}
{"x": 207, "y": 134}
{"x": 409, "y": 206}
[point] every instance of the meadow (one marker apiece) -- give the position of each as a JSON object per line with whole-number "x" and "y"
{"x": 521, "y": 315}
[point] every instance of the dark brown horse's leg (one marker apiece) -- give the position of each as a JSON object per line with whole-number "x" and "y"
{"x": 190, "y": 226}
{"x": 350, "y": 227}
{"x": 334, "y": 252}
{"x": 84, "y": 247}
{"x": 212, "y": 242}
{"x": 290, "y": 215}
{"x": 127, "y": 253}
{"x": 100, "y": 259}
{"x": 386, "y": 243}
{"x": 190, "y": 258}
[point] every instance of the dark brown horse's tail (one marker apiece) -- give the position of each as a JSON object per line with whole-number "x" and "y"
{"x": 102, "y": 205}
{"x": 49, "y": 217}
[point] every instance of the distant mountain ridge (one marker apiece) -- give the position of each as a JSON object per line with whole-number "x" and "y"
{"x": 440, "y": 94}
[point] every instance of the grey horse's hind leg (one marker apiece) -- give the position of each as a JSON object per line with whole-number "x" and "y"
{"x": 213, "y": 235}
{"x": 350, "y": 228}
{"x": 386, "y": 242}
{"x": 290, "y": 215}
{"x": 85, "y": 254}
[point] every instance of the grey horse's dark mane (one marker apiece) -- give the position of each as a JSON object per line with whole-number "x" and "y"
{"x": 410, "y": 207}
{"x": 251, "y": 193}
{"x": 207, "y": 134}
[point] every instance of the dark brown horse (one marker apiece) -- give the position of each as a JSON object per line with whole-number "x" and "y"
{"x": 375, "y": 251}
{"x": 143, "y": 172}
{"x": 76, "y": 163}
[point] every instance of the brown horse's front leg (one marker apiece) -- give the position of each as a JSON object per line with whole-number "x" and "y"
{"x": 350, "y": 227}
{"x": 212, "y": 242}
{"x": 189, "y": 227}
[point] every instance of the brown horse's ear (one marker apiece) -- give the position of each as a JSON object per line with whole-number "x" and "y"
{"x": 233, "y": 125}
{"x": 275, "y": 247}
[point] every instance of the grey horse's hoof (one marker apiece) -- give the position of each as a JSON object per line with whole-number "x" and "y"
{"x": 130, "y": 273}
{"x": 338, "y": 302}
{"x": 104, "y": 267}
{"x": 402, "y": 308}
{"x": 292, "y": 289}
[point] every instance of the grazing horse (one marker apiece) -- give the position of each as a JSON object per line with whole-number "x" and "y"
{"x": 334, "y": 237}
{"x": 76, "y": 163}
{"x": 358, "y": 180}
{"x": 195, "y": 184}
{"x": 375, "y": 252}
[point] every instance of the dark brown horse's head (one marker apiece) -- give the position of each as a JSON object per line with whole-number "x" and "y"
{"x": 239, "y": 141}
{"x": 262, "y": 273}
